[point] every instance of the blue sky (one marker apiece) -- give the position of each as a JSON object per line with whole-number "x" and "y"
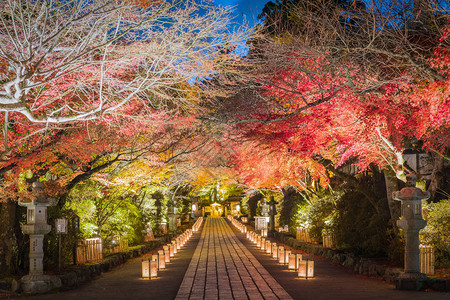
{"x": 250, "y": 9}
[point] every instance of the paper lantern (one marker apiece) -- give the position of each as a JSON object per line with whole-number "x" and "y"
{"x": 153, "y": 269}
{"x": 275, "y": 250}
{"x": 263, "y": 244}
{"x": 145, "y": 269}
{"x": 268, "y": 247}
{"x": 306, "y": 269}
{"x": 297, "y": 260}
{"x": 166, "y": 253}
{"x": 302, "y": 268}
{"x": 310, "y": 268}
{"x": 175, "y": 248}
{"x": 161, "y": 260}
{"x": 286, "y": 256}
{"x": 171, "y": 250}
{"x": 292, "y": 262}
{"x": 258, "y": 242}
{"x": 281, "y": 255}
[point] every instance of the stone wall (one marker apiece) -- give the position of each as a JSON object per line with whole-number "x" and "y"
{"x": 358, "y": 265}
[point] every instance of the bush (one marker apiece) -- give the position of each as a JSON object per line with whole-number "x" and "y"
{"x": 358, "y": 228}
{"x": 437, "y": 231}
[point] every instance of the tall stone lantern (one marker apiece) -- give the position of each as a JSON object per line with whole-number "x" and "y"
{"x": 411, "y": 223}
{"x": 272, "y": 212}
{"x": 172, "y": 215}
{"x": 36, "y": 227}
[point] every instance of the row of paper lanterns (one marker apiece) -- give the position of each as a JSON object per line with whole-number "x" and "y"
{"x": 237, "y": 224}
{"x": 158, "y": 261}
{"x": 294, "y": 261}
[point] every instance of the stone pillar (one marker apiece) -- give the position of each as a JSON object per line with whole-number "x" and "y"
{"x": 37, "y": 227}
{"x": 172, "y": 217}
{"x": 272, "y": 212}
{"x": 411, "y": 223}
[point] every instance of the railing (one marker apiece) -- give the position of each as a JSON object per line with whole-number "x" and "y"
{"x": 426, "y": 259}
{"x": 327, "y": 240}
{"x": 303, "y": 235}
{"x": 118, "y": 244}
{"x": 91, "y": 250}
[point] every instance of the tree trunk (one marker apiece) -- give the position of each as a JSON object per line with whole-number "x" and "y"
{"x": 7, "y": 237}
{"x": 391, "y": 186}
{"x": 436, "y": 175}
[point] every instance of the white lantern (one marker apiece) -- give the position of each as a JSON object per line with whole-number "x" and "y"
{"x": 161, "y": 259}
{"x": 281, "y": 255}
{"x": 292, "y": 262}
{"x": 306, "y": 269}
{"x": 286, "y": 256}
{"x": 268, "y": 247}
{"x": 297, "y": 260}
{"x": 153, "y": 269}
{"x": 145, "y": 269}
{"x": 275, "y": 250}
{"x": 171, "y": 250}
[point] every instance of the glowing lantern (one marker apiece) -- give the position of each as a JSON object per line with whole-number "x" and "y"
{"x": 268, "y": 247}
{"x": 145, "y": 269}
{"x": 175, "y": 248}
{"x": 263, "y": 244}
{"x": 275, "y": 250}
{"x": 302, "y": 268}
{"x": 171, "y": 250}
{"x": 310, "y": 268}
{"x": 292, "y": 262}
{"x": 297, "y": 260}
{"x": 258, "y": 241}
{"x": 264, "y": 232}
{"x": 286, "y": 256}
{"x": 153, "y": 269}
{"x": 161, "y": 260}
{"x": 166, "y": 253}
{"x": 306, "y": 269}
{"x": 281, "y": 255}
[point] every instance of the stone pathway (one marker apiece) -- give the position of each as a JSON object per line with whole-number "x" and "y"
{"x": 223, "y": 268}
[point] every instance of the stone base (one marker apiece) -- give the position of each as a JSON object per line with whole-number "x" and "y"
{"x": 37, "y": 284}
{"x": 410, "y": 281}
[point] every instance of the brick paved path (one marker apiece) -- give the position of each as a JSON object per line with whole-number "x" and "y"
{"x": 223, "y": 268}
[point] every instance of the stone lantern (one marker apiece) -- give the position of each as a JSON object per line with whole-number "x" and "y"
{"x": 36, "y": 227}
{"x": 172, "y": 215}
{"x": 411, "y": 223}
{"x": 272, "y": 213}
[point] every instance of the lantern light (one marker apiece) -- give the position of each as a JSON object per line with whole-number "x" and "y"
{"x": 306, "y": 269}
{"x": 161, "y": 260}
{"x": 275, "y": 250}
{"x": 153, "y": 269}
{"x": 268, "y": 247}
{"x": 145, "y": 269}
{"x": 174, "y": 244}
{"x": 281, "y": 255}
{"x": 297, "y": 260}
{"x": 292, "y": 262}
{"x": 263, "y": 244}
{"x": 286, "y": 256}
{"x": 171, "y": 250}
{"x": 166, "y": 253}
